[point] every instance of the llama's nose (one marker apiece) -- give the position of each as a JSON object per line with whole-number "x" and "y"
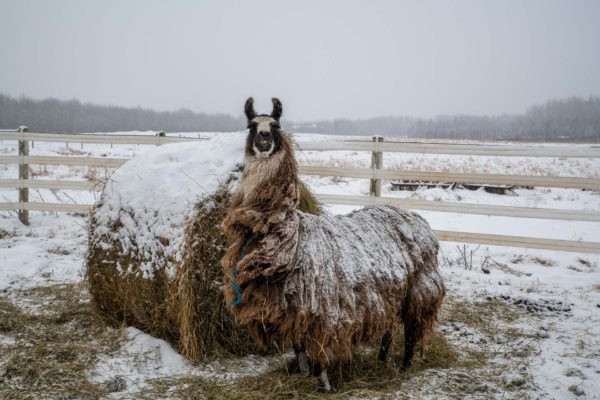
{"x": 264, "y": 136}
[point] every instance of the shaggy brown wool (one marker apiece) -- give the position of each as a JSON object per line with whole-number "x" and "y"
{"x": 325, "y": 283}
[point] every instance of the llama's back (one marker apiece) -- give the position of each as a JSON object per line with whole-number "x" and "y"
{"x": 382, "y": 240}
{"x": 353, "y": 270}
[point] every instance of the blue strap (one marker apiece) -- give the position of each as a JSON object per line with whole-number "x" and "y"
{"x": 236, "y": 288}
{"x": 234, "y": 284}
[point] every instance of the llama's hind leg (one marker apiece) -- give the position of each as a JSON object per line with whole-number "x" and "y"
{"x": 302, "y": 359}
{"x": 384, "y": 349}
{"x": 412, "y": 334}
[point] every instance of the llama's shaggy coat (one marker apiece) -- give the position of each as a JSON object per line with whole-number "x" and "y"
{"x": 324, "y": 283}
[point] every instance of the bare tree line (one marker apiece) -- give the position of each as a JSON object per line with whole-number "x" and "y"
{"x": 72, "y": 116}
{"x": 567, "y": 119}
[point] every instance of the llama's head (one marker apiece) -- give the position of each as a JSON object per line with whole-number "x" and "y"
{"x": 264, "y": 138}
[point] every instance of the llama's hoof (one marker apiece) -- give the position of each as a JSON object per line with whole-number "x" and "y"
{"x": 405, "y": 366}
{"x": 323, "y": 384}
{"x": 324, "y": 388}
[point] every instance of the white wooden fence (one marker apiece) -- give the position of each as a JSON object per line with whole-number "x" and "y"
{"x": 376, "y": 173}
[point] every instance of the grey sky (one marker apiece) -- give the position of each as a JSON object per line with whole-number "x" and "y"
{"x": 324, "y": 59}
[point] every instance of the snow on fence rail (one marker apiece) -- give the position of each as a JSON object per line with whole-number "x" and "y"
{"x": 157, "y": 139}
{"x": 377, "y": 146}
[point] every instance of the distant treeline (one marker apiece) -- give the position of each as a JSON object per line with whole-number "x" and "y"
{"x": 569, "y": 119}
{"x": 72, "y": 116}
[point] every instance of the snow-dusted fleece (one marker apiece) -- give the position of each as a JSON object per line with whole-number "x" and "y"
{"x": 320, "y": 282}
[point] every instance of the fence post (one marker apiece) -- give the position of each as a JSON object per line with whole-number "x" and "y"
{"x": 23, "y": 175}
{"x": 159, "y": 135}
{"x": 376, "y": 163}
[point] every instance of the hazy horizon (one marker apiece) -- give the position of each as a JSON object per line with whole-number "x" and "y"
{"x": 241, "y": 114}
{"x": 339, "y": 59}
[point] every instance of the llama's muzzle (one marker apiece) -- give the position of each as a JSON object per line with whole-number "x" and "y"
{"x": 263, "y": 143}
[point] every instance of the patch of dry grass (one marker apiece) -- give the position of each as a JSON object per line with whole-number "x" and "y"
{"x": 53, "y": 346}
{"x": 11, "y": 316}
{"x": 59, "y": 251}
{"x": 545, "y": 262}
{"x": 4, "y": 234}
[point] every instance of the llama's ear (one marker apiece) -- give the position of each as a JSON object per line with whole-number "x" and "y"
{"x": 277, "y": 109}
{"x": 249, "y": 109}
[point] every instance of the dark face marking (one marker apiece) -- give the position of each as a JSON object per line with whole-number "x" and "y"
{"x": 264, "y": 138}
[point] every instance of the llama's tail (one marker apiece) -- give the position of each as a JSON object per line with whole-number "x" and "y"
{"x": 422, "y": 303}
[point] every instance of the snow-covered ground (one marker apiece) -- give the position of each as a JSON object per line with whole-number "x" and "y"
{"x": 546, "y": 346}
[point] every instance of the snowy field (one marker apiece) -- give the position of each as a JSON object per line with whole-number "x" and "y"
{"x": 519, "y": 323}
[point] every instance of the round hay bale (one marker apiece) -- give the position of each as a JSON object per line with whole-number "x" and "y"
{"x": 136, "y": 230}
{"x": 155, "y": 243}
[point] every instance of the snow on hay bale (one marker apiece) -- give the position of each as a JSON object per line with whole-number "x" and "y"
{"x": 155, "y": 245}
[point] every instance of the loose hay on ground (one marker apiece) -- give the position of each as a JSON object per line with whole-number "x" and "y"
{"x": 364, "y": 377}
{"x": 53, "y": 346}
{"x": 449, "y": 368}
{"x": 11, "y": 316}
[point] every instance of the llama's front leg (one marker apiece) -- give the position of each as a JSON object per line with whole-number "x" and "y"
{"x": 302, "y": 359}
{"x": 386, "y": 341}
{"x": 323, "y": 379}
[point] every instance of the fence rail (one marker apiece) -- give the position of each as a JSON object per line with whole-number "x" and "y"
{"x": 463, "y": 208}
{"x": 441, "y": 176}
{"x": 519, "y": 241}
{"x": 455, "y": 149}
{"x": 376, "y": 174}
{"x": 65, "y": 160}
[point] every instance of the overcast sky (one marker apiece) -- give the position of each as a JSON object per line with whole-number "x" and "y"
{"x": 324, "y": 59}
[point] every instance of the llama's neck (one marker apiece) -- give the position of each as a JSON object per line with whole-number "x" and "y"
{"x": 259, "y": 170}
{"x": 269, "y": 178}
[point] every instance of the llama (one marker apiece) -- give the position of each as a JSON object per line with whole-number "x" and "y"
{"x": 324, "y": 284}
